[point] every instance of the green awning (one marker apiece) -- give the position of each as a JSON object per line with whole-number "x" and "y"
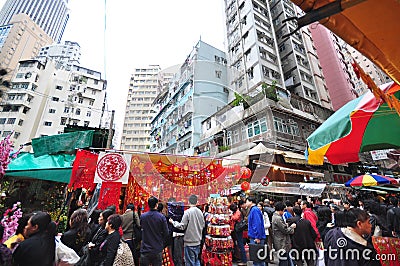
{"x": 47, "y": 167}
{"x": 62, "y": 142}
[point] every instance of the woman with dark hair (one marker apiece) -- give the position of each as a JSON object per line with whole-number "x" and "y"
{"x": 79, "y": 233}
{"x": 98, "y": 238}
{"x": 5, "y": 253}
{"x": 94, "y": 222}
{"x": 324, "y": 223}
{"x": 377, "y": 218}
{"x": 18, "y": 237}
{"x": 108, "y": 248}
{"x": 39, "y": 247}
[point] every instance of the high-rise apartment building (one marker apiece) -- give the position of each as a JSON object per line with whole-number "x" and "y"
{"x": 278, "y": 75}
{"x": 336, "y": 58}
{"x": 144, "y": 86}
{"x": 66, "y": 54}
{"x": 196, "y": 91}
{"x": 44, "y": 99}
{"x": 51, "y": 16}
{"x": 20, "y": 40}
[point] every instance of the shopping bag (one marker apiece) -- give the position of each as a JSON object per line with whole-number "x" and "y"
{"x": 64, "y": 255}
{"x": 320, "y": 258}
{"x": 258, "y": 252}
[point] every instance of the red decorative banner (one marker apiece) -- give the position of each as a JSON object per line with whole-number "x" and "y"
{"x": 109, "y": 194}
{"x": 83, "y": 170}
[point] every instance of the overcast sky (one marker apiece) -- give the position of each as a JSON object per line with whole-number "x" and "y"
{"x": 138, "y": 33}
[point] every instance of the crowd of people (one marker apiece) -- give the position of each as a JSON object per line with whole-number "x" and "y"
{"x": 303, "y": 232}
{"x": 296, "y": 232}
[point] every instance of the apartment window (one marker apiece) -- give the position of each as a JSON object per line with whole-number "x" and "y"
{"x": 20, "y": 122}
{"x": 236, "y": 138}
{"x": 243, "y": 133}
{"x": 78, "y": 111}
{"x": 93, "y": 92}
{"x": 63, "y": 121}
{"x": 47, "y": 123}
{"x": 218, "y": 73}
{"x": 20, "y": 75}
{"x": 16, "y": 135}
{"x": 96, "y": 82}
{"x": 58, "y": 87}
{"x": 66, "y": 109}
{"x": 6, "y": 133}
{"x": 52, "y": 111}
{"x": 91, "y": 102}
{"x": 11, "y": 121}
{"x": 2, "y": 121}
{"x": 55, "y": 99}
{"x": 86, "y": 123}
{"x": 229, "y": 138}
{"x": 80, "y": 100}
{"x": 89, "y": 114}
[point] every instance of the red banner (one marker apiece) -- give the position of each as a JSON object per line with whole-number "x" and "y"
{"x": 83, "y": 170}
{"x": 109, "y": 195}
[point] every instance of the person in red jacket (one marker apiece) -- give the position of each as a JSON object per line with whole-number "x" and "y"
{"x": 309, "y": 215}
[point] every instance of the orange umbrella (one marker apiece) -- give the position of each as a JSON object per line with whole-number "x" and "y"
{"x": 370, "y": 26}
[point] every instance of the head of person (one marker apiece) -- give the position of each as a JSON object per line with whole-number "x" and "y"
{"x": 361, "y": 203}
{"x": 260, "y": 205}
{"x": 346, "y": 205}
{"x": 305, "y": 204}
{"x": 94, "y": 217}
{"x": 79, "y": 220}
{"x": 250, "y": 201}
{"x": 130, "y": 207}
{"x": 334, "y": 208}
{"x": 104, "y": 216}
{"x": 160, "y": 207}
{"x": 114, "y": 221}
{"x": 193, "y": 200}
{"x": 267, "y": 203}
{"x": 22, "y": 222}
{"x": 280, "y": 207}
{"x": 233, "y": 207}
{"x": 359, "y": 220}
{"x": 297, "y": 210}
{"x": 152, "y": 202}
{"x": 113, "y": 208}
{"x": 288, "y": 203}
{"x": 324, "y": 214}
{"x": 394, "y": 201}
{"x": 242, "y": 204}
{"x": 39, "y": 222}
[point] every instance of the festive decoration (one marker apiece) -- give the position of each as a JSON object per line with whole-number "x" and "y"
{"x": 6, "y": 155}
{"x": 218, "y": 242}
{"x": 10, "y": 221}
{"x": 265, "y": 181}
{"x": 245, "y": 173}
{"x": 245, "y": 186}
{"x": 109, "y": 194}
{"x": 387, "y": 247}
{"x": 113, "y": 167}
{"x": 83, "y": 170}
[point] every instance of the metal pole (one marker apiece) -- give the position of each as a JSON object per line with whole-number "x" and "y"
{"x": 110, "y": 130}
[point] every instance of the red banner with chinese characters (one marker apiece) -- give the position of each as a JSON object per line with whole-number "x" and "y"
{"x": 109, "y": 195}
{"x": 83, "y": 170}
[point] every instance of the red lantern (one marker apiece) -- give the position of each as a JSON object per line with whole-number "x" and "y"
{"x": 245, "y": 186}
{"x": 245, "y": 173}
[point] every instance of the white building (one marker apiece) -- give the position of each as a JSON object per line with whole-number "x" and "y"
{"x": 66, "y": 54}
{"x": 44, "y": 99}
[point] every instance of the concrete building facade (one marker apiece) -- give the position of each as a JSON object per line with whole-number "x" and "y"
{"x": 44, "y": 99}
{"x": 20, "y": 40}
{"x": 51, "y": 16}
{"x": 66, "y": 54}
{"x": 197, "y": 91}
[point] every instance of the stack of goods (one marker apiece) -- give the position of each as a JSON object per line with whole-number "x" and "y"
{"x": 218, "y": 242}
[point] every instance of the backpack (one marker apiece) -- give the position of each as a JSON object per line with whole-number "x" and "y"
{"x": 124, "y": 255}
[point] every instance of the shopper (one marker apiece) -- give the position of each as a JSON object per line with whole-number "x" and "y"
{"x": 193, "y": 223}
{"x": 256, "y": 228}
{"x": 130, "y": 219}
{"x": 108, "y": 248}
{"x": 154, "y": 233}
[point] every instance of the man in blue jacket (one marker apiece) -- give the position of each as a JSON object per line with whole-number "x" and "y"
{"x": 256, "y": 231}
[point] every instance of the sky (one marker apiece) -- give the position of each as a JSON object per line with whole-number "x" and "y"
{"x": 117, "y": 36}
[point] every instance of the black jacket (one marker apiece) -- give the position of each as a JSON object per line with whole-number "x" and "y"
{"x": 108, "y": 249}
{"x": 98, "y": 238}
{"x": 76, "y": 242}
{"x": 34, "y": 251}
{"x": 304, "y": 234}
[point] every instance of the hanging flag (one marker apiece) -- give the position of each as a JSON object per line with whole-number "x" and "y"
{"x": 109, "y": 195}
{"x": 113, "y": 167}
{"x": 83, "y": 170}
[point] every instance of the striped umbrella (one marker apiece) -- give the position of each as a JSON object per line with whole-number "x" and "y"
{"x": 368, "y": 180}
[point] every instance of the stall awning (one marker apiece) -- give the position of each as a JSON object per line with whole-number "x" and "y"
{"x": 292, "y": 157}
{"x": 291, "y": 170}
{"x": 243, "y": 157}
{"x": 47, "y": 167}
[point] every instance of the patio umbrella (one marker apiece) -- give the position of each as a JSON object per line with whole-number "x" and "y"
{"x": 363, "y": 124}
{"x": 368, "y": 25}
{"x": 368, "y": 180}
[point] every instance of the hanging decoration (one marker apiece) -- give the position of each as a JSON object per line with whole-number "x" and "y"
{"x": 245, "y": 173}
{"x": 83, "y": 170}
{"x": 245, "y": 186}
{"x": 113, "y": 167}
{"x": 109, "y": 195}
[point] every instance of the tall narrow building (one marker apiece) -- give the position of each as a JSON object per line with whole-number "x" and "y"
{"x": 143, "y": 88}
{"x": 51, "y": 16}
